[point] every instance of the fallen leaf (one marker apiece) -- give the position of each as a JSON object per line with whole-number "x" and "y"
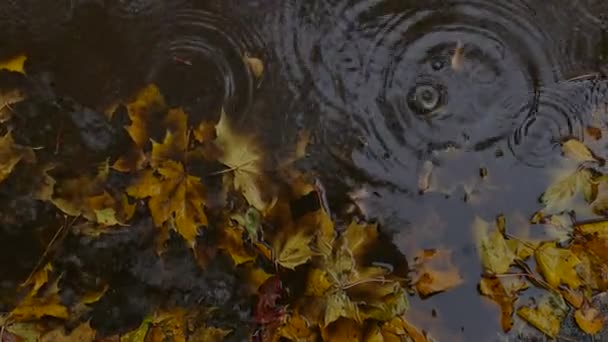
{"x": 295, "y": 250}
{"x": 140, "y": 109}
{"x": 574, "y": 149}
{"x": 342, "y": 330}
{"x": 173, "y": 195}
{"x": 82, "y": 333}
{"x": 594, "y": 228}
{"x": 11, "y": 154}
{"x": 242, "y": 155}
{"x": 436, "y": 273}
{"x": 547, "y": 316}
{"x": 139, "y": 334}
{"x": 15, "y": 64}
{"x": 231, "y": 241}
{"x": 594, "y": 132}
{"x": 37, "y": 305}
{"x": 589, "y": 319}
{"x": 496, "y": 256}
{"x": 297, "y": 328}
{"x": 558, "y": 265}
{"x": 559, "y": 195}
{"x": 39, "y": 278}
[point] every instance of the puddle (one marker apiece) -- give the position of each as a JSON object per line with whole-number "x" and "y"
{"x": 388, "y": 89}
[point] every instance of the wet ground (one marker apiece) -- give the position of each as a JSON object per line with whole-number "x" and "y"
{"x": 389, "y": 89}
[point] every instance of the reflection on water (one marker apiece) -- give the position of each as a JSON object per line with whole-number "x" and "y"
{"x": 386, "y": 87}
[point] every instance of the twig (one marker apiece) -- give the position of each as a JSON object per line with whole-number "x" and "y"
{"x": 48, "y": 248}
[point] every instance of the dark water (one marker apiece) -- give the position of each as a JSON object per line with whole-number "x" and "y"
{"x": 377, "y": 84}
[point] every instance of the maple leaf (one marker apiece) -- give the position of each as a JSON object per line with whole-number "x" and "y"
{"x": 15, "y": 64}
{"x": 504, "y": 292}
{"x": 174, "y": 196}
{"x": 558, "y": 265}
{"x": 435, "y": 272}
{"x": 496, "y": 256}
{"x": 243, "y": 156}
{"x": 558, "y": 197}
{"x": 37, "y": 304}
{"x": 140, "y": 109}
{"x": 231, "y": 241}
{"x": 11, "y": 154}
{"x": 547, "y": 316}
{"x": 342, "y": 288}
{"x": 295, "y": 250}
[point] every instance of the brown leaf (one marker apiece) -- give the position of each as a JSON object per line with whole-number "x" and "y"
{"x": 231, "y": 241}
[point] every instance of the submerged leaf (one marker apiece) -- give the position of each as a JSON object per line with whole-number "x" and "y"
{"x": 559, "y": 194}
{"x": 436, "y": 272}
{"x": 496, "y": 256}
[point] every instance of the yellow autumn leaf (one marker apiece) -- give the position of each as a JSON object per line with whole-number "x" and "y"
{"x": 595, "y": 228}
{"x": 140, "y": 109}
{"x": 11, "y": 154}
{"x": 558, "y": 265}
{"x": 175, "y": 195}
{"x": 559, "y": 195}
{"x": 435, "y": 272}
{"x": 15, "y": 64}
{"x": 139, "y": 334}
{"x": 231, "y": 241}
{"x": 358, "y": 236}
{"x": 82, "y": 333}
{"x": 339, "y": 305}
{"x": 342, "y": 330}
{"x": 547, "y": 316}
{"x": 317, "y": 283}
{"x": 496, "y": 256}
{"x": 243, "y": 156}
{"x": 589, "y": 319}
{"x": 297, "y": 328}
{"x": 577, "y": 151}
{"x": 37, "y": 305}
{"x": 39, "y": 278}
{"x": 295, "y": 250}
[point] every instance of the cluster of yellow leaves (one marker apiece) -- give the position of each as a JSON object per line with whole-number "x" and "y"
{"x": 571, "y": 263}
